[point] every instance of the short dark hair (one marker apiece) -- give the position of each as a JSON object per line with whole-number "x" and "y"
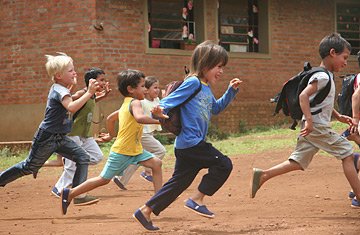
{"x": 127, "y": 78}
{"x": 333, "y": 40}
{"x": 358, "y": 57}
{"x": 92, "y": 73}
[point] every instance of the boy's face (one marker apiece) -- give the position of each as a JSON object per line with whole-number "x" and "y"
{"x": 67, "y": 77}
{"x": 339, "y": 60}
{"x": 139, "y": 91}
{"x": 101, "y": 80}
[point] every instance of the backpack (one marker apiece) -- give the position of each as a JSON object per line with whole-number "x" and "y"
{"x": 288, "y": 98}
{"x": 344, "y": 98}
{"x": 173, "y": 123}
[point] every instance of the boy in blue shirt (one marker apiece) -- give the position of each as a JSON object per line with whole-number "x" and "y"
{"x": 51, "y": 135}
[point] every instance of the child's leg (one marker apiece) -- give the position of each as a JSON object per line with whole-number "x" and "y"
{"x": 92, "y": 148}
{"x": 87, "y": 186}
{"x": 42, "y": 148}
{"x": 54, "y": 163}
{"x": 67, "y": 176}
{"x": 128, "y": 173}
{"x": 152, "y": 145}
{"x": 280, "y": 169}
{"x": 351, "y": 175}
{"x": 155, "y": 165}
{"x": 70, "y": 150}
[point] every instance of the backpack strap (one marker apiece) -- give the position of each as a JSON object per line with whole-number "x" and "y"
{"x": 323, "y": 93}
{"x": 194, "y": 94}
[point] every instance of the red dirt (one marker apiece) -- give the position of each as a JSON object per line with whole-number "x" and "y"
{"x": 310, "y": 202}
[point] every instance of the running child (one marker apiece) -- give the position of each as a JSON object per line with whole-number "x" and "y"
{"x": 51, "y": 135}
{"x": 81, "y": 133}
{"x": 148, "y": 141}
{"x": 127, "y": 148}
{"x": 316, "y": 132}
{"x": 192, "y": 152}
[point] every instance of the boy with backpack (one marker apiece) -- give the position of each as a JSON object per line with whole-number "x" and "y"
{"x": 316, "y": 132}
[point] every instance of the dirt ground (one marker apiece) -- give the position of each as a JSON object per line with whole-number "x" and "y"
{"x": 310, "y": 202}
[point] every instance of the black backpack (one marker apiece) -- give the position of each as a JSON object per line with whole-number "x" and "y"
{"x": 173, "y": 123}
{"x": 288, "y": 98}
{"x": 345, "y": 96}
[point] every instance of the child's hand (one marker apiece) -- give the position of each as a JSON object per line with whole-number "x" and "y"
{"x": 235, "y": 83}
{"x": 93, "y": 86}
{"x": 344, "y": 119}
{"x": 103, "y": 137}
{"x": 308, "y": 128}
{"x": 104, "y": 92}
{"x": 158, "y": 112}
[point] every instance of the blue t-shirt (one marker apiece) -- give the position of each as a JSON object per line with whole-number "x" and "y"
{"x": 57, "y": 118}
{"x": 195, "y": 114}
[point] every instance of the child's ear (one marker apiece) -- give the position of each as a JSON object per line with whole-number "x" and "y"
{"x": 130, "y": 89}
{"x": 332, "y": 52}
{"x": 57, "y": 75}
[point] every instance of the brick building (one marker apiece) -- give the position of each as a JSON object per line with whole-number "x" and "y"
{"x": 267, "y": 40}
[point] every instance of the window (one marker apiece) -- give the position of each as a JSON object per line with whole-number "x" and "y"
{"x": 173, "y": 23}
{"x": 348, "y": 24}
{"x": 243, "y": 25}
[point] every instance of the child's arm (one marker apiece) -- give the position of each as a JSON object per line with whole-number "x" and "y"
{"x": 305, "y": 107}
{"x": 139, "y": 115}
{"x": 355, "y": 110}
{"x": 341, "y": 118}
{"x": 110, "y": 127}
{"x": 229, "y": 95}
{"x": 74, "y": 105}
{"x": 78, "y": 94}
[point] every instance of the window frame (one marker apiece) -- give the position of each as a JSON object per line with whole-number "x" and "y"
{"x": 264, "y": 35}
{"x": 347, "y": 2}
{"x": 200, "y": 35}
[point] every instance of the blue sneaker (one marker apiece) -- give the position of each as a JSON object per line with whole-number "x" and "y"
{"x": 355, "y": 203}
{"x": 138, "y": 215}
{"x": 201, "y": 210}
{"x": 55, "y": 192}
{"x": 148, "y": 178}
{"x": 351, "y": 195}
{"x": 65, "y": 200}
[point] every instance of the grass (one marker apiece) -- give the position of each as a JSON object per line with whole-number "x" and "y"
{"x": 254, "y": 141}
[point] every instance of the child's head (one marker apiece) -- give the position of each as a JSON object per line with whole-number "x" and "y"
{"x": 333, "y": 41}
{"x": 206, "y": 56}
{"x": 129, "y": 80}
{"x": 56, "y": 65}
{"x": 152, "y": 86}
{"x": 93, "y": 73}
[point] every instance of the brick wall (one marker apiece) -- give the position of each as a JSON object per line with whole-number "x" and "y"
{"x": 31, "y": 29}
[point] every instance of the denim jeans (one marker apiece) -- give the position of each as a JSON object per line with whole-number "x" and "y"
{"x": 43, "y": 146}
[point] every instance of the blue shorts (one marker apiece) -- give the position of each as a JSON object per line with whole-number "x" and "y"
{"x": 117, "y": 163}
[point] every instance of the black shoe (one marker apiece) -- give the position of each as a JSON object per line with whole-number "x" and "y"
{"x": 118, "y": 183}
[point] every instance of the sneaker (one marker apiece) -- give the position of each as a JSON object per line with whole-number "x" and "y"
{"x": 138, "y": 215}
{"x": 255, "y": 182}
{"x": 201, "y": 210}
{"x": 55, "y": 192}
{"x": 355, "y": 203}
{"x": 351, "y": 195}
{"x": 148, "y": 178}
{"x": 87, "y": 200}
{"x": 118, "y": 183}
{"x": 65, "y": 200}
